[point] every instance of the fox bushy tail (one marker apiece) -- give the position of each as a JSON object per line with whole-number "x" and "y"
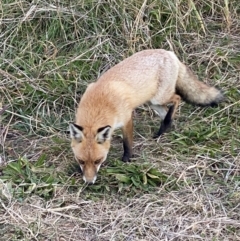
{"x": 194, "y": 91}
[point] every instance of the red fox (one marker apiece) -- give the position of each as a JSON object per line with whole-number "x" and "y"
{"x": 155, "y": 76}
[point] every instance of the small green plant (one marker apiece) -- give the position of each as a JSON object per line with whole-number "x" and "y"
{"x": 136, "y": 175}
{"x": 124, "y": 178}
{"x": 26, "y": 177}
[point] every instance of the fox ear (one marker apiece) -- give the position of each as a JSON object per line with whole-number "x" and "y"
{"x": 103, "y": 134}
{"x": 76, "y": 132}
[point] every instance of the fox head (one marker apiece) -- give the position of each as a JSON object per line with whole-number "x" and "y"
{"x": 90, "y": 149}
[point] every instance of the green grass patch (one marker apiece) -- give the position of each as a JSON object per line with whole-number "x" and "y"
{"x": 23, "y": 178}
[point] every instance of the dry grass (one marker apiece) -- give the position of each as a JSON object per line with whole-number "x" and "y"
{"x": 185, "y": 215}
{"x": 49, "y": 52}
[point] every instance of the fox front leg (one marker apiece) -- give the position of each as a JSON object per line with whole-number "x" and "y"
{"x": 127, "y": 140}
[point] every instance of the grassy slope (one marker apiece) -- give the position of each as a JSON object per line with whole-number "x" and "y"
{"x": 50, "y": 51}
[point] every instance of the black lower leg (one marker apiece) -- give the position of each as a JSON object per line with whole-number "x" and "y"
{"x": 166, "y": 123}
{"x": 127, "y": 150}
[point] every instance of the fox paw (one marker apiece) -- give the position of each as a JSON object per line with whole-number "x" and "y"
{"x": 126, "y": 159}
{"x": 155, "y": 136}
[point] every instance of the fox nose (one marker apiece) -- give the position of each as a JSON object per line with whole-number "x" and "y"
{"x": 90, "y": 180}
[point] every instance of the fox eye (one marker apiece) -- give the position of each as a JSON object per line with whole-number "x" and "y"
{"x": 81, "y": 162}
{"x": 97, "y": 161}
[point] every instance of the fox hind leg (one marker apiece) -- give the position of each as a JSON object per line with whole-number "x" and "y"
{"x": 167, "y": 121}
{"x": 160, "y": 109}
